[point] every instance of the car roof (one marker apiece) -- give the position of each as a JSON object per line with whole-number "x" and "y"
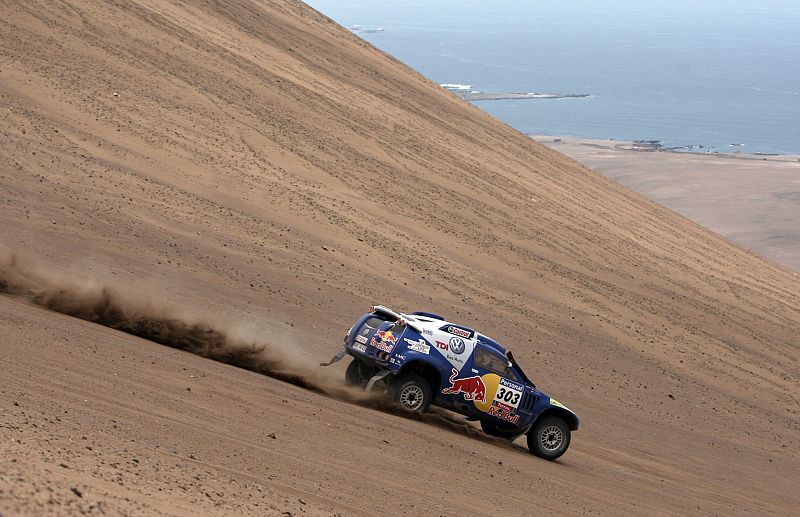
{"x": 491, "y": 343}
{"x": 426, "y": 321}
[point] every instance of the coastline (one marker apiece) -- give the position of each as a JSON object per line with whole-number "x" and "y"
{"x": 466, "y": 92}
{"x": 481, "y": 96}
{"x": 632, "y": 147}
{"x": 750, "y": 199}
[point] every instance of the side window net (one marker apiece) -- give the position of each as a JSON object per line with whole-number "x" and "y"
{"x": 492, "y": 362}
{"x": 483, "y": 359}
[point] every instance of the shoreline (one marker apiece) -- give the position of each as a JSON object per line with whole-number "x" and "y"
{"x": 482, "y": 96}
{"x": 641, "y": 147}
{"x": 466, "y": 92}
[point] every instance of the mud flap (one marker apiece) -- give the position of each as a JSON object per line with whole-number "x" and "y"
{"x": 377, "y": 377}
{"x": 335, "y": 359}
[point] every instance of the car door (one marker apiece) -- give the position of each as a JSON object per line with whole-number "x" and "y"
{"x": 455, "y": 344}
{"x": 503, "y": 393}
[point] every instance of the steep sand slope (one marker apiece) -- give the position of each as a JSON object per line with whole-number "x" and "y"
{"x": 257, "y": 161}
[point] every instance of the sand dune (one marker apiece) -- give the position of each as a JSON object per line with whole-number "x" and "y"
{"x": 256, "y": 163}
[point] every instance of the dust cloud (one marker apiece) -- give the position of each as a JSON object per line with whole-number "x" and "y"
{"x": 131, "y": 312}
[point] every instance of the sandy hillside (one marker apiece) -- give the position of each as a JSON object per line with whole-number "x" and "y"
{"x": 257, "y": 167}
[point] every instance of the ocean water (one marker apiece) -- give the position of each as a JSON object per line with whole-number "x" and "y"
{"x": 724, "y": 75}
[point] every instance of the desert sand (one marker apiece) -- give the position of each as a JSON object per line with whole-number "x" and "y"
{"x": 750, "y": 199}
{"x": 256, "y": 168}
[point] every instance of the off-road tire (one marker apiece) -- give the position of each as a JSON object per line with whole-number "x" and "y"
{"x": 354, "y": 375}
{"x": 549, "y": 438}
{"x": 500, "y": 431}
{"x": 412, "y": 392}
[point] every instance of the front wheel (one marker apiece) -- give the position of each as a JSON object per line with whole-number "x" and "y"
{"x": 549, "y": 438}
{"x": 412, "y": 392}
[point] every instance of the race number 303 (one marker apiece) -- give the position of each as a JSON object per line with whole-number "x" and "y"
{"x": 508, "y": 394}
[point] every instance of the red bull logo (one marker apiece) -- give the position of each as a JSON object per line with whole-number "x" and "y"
{"x": 383, "y": 340}
{"x": 386, "y": 336}
{"x": 473, "y": 388}
{"x": 504, "y": 412}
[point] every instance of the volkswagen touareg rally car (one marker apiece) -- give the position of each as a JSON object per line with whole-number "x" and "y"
{"x": 422, "y": 359}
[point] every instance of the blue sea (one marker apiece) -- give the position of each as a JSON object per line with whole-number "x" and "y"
{"x": 724, "y": 75}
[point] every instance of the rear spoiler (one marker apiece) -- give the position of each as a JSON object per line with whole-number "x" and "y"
{"x": 397, "y": 317}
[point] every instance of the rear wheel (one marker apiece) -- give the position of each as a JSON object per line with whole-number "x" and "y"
{"x": 499, "y": 430}
{"x": 412, "y": 392}
{"x": 355, "y": 374}
{"x": 549, "y": 438}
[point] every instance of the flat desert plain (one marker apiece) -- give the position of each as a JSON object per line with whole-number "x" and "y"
{"x": 753, "y": 200}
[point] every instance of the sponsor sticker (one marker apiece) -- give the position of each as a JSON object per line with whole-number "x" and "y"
{"x": 455, "y": 359}
{"x": 459, "y": 332}
{"x": 360, "y": 347}
{"x": 383, "y": 340}
{"x": 441, "y": 345}
{"x": 427, "y": 332}
{"x": 361, "y": 339}
{"x": 503, "y": 397}
{"x": 386, "y": 336}
{"x": 554, "y": 402}
{"x": 380, "y": 345}
{"x": 503, "y": 412}
{"x": 418, "y": 346}
{"x": 457, "y": 345}
{"x": 472, "y": 388}
{"x": 508, "y": 394}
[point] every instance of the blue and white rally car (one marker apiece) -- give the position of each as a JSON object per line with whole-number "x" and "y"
{"x": 422, "y": 359}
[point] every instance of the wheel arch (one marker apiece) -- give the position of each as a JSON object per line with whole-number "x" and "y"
{"x": 425, "y": 370}
{"x": 570, "y": 418}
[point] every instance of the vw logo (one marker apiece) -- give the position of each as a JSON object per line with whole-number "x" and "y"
{"x": 457, "y": 345}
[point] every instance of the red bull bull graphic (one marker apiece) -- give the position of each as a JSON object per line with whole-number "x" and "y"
{"x": 385, "y": 340}
{"x": 387, "y": 336}
{"x": 473, "y": 388}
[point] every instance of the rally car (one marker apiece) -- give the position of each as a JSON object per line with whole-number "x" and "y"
{"x": 421, "y": 359}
